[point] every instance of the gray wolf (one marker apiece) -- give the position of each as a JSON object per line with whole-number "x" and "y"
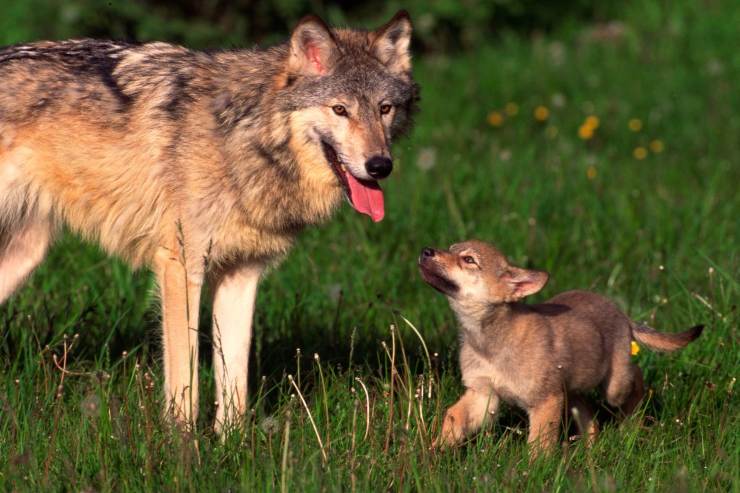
{"x": 200, "y": 165}
{"x": 537, "y": 357}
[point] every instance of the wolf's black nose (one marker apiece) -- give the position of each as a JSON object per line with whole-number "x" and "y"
{"x": 379, "y": 167}
{"x": 427, "y": 252}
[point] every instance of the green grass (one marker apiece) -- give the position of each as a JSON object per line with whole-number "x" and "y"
{"x": 659, "y": 235}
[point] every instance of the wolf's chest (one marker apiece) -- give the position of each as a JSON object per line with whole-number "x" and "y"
{"x": 509, "y": 377}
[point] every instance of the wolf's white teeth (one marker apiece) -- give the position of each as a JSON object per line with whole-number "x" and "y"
{"x": 341, "y": 166}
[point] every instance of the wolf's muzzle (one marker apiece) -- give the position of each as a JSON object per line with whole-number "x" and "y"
{"x": 379, "y": 167}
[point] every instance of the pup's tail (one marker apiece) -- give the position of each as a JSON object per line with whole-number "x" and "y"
{"x": 662, "y": 341}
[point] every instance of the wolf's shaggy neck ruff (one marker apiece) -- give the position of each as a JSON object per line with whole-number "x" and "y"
{"x": 279, "y": 180}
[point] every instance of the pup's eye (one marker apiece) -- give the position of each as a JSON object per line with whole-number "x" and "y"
{"x": 339, "y": 110}
{"x": 385, "y": 109}
{"x": 468, "y": 259}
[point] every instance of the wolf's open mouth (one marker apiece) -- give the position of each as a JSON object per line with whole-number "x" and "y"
{"x": 438, "y": 281}
{"x": 366, "y": 196}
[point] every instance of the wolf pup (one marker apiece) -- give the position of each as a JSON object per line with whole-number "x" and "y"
{"x": 197, "y": 164}
{"x": 537, "y": 357}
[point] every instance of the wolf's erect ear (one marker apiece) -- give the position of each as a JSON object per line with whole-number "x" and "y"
{"x": 390, "y": 43}
{"x": 313, "y": 49}
{"x": 523, "y": 282}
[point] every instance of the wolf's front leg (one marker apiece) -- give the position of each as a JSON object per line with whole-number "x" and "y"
{"x": 233, "y": 310}
{"x": 180, "y": 293}
{"x": 466, "y": 416}
{"x": 544, "y": 424}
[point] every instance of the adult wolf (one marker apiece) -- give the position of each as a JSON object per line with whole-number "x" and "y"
{"x": 201, "y": 165}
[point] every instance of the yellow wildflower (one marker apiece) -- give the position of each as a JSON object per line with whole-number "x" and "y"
{"x": 541, "y": 113}
{"x": 495, "y": 118}
{"x": 592, "y": 121}
{"x": 657, "y": 146}
{"x": 591, "y": 172}
{"x": 634, "y": 348}
{"x": 585, "y": 131}
{"x": 635, "y": 124}
{"x": 640, "y": 153}
{"x": 511, "y": 109}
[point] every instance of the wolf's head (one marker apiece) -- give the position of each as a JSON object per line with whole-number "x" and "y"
{"x": 476, "y": 273}
{"x": 349, "y": 93}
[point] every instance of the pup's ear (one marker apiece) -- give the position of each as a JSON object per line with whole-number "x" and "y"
{"x": 523, "y": 282}
{"x": 390, "y": 43}
{"x": 313, "y": 48}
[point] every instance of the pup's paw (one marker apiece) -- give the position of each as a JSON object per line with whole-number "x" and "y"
{"x": 452, "y": 434}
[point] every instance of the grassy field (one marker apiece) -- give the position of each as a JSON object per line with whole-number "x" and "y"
{"x": 609, "y": 157}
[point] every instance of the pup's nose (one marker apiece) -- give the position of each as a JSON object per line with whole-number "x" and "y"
{"x": 427, "y": 252}
{"x": 379, "y": 167}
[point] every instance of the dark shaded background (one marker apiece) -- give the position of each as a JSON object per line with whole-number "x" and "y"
{"x": 440, "y": 25}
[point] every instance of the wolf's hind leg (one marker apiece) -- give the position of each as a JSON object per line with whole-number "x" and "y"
{"x": 233, "y": 309}
{"x": 618, "y": 383}
{"x": 636, "y": 394}
{"x": 20, "y": 252}
{"x": 583, "y": 414}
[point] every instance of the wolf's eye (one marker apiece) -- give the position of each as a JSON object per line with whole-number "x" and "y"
{"x": 385, "y": 109}
{"x": 339, "y": 110}
{"x": 468, "y": 259}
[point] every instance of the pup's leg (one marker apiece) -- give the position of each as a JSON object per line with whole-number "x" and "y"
{"x": 583, "y": 414}
{"x": 24, "y": 250}
{"x": 635, "y": 396}
{"x": 466, "y": 416}
{"x": 618, "y": 384}
{"x": 544, "y": 424}
{"x": 180, "y": 292}
{"x": 233, "y": 308}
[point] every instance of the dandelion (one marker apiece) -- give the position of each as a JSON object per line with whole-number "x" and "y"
{"x": 495, "y": 119}
{"x": 269, "y": 425}
{"x": 639, "y": 153}
{"x": 635, "y": 124}
{"x": 90, "y": 405}
{"x": 634, "y": 348}
{"x": 589, "y": 126}
{"x": 592, "y": 121}
{"x": 558, "y": 100}
{"x": 426, "y": 159}
{"x": 541, "y": 113}
{"x": 591, "y": 172}
{"x": 585, "y": 132}
{"x": 511, "y": 108}
{"x": 657, "y": 146}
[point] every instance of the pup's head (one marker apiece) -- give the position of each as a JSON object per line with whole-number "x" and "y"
{"x": 348, "y": 93}
{"x": 475, "y": 272}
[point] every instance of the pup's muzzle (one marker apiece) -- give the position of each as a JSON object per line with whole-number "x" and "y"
{"x": 434, "y": 274}
{"x": 426, "y": 252}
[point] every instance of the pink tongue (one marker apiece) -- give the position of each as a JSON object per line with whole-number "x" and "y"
{"x": 366, "y": 197}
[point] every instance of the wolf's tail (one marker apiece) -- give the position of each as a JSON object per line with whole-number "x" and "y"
{"x": 664, "y": 342}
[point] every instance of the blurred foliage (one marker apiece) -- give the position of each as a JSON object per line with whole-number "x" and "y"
{"x": 439, "y": 24}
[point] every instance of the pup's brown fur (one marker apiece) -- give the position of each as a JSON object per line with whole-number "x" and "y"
{"x": 196, "y": 164}
{"x": 537, "y": 357}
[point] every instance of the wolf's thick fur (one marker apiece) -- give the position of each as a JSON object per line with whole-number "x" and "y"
{"x": 193, "y": 163}
{"x": 541, "y": 358}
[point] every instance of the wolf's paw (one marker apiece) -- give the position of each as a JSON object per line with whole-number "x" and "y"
{"x": 452, "y": 433}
